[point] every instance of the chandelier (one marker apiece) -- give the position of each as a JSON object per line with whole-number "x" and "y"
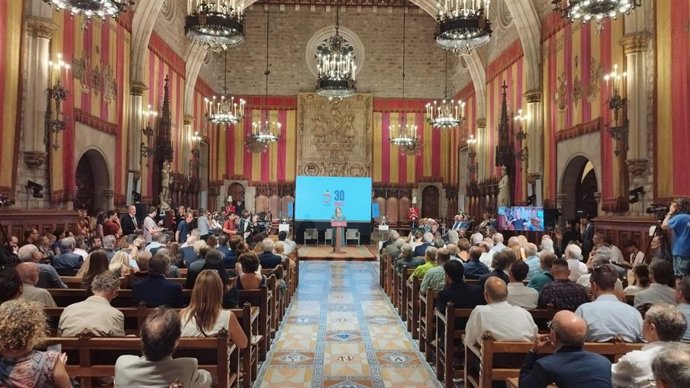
{"x": 224, "y": 109}
{"x": 335, "y": 65}
{"x": 404, "y": 134}
{"x": 598, "y": 10}
{"x": 264, "y": 131}
{"x": 446, "y": 114}
{"x": 216, "y": 23}
{"x": 462, "y": 24}
{"x": 90, "y": 8}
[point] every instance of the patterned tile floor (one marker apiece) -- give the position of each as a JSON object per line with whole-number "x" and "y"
{"x": 342, "y": 331}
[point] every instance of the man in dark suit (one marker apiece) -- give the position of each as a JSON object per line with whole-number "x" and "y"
{"x": 457, "y": 291}
{"x": 268, "y": 259}
{"x": 155, "y": 290}
{"x": 129, "y": 221}
{"x": 587, "y": 236}
{"x": 420, "y": 250}
{"x": 570, "y": 366}
{"x": 67, "y": 263}
{"x": 245, "y": 227}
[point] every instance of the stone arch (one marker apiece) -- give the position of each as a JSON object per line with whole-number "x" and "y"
{"x": 143, "y": 21}
{"x": 579, "y": 183}
{"x": 194, "y": 58}
{"x": 92, "y": 176}
{"x": 585, "y": 146}
{"x": 528, "y": 25}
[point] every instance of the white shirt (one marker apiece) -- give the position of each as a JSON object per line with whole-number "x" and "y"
{"x": 637, "y": 258}
{"x": 577, "y": 269}
{"x": 656, "y": 293}
{"x": 522, "y": 296}
{"x": 585, "y": 281}
{"x": 149, "y": 225}
{"x": 84, "y": 254}
{"x": 504, "y": 321}
{"x": 635, "y": 368}
{"x": 616, "y": 255}
{"x": 486, "y": 258}
{"x": 607, "y": 318}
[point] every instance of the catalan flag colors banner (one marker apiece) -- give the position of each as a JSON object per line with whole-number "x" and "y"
{"x": 10, "y": 70}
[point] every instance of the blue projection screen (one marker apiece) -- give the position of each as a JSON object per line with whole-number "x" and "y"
{"x": 317, "y": 197}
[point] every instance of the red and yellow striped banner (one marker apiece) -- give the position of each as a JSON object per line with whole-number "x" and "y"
{"x": 10, "y": 74}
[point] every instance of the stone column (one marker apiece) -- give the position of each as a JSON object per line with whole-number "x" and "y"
{"x": 192, "y": 168}
{"x": 39, "y": 32}
{"x": 135, "y": 139}
{"x": 636, "y": 46}
{"x": 534, "y": 128}
{"x": 480, "y": 148}
{"x": 109, "y": 194}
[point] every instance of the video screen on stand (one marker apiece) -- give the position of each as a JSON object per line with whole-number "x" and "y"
{"x": 521, "y": 218}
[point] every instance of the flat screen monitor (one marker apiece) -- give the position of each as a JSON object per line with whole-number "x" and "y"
{"x": 520, "y": 218}
{"x": 316, "y": 198}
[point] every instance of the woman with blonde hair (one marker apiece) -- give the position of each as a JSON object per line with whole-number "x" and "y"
{"x": 205, "y": 315}
{"x": 121, "y": 265}
{"x": 22, "y": 327}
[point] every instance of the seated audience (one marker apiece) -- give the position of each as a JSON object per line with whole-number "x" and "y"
{"x": 290, "y": 245}
{"x": 663, "y": 324}
{"x": 47, "y": 275}
{"x": 205, "y": 316}
{"x": 67, "y": 263}
{"x": 543, "y": 277}
{"x": 641, "y": 280}
{"x": 457, "y": 291}
{"x": 392, "y": 236}
{"x": 670, "y": 366}
{"x": 420, "y": 249}
{"x": 498, "y": 243}
{"x": 562, "y": 293}
{"x": 607, "y": 317}
{"x": 156, "y": 368}
{"x": 429, "y": 263}
{"x": 109, "y": 242}
{"x": 407, "y": 259}
{"x": 213, "y": 261}
{"x": 683, "y": 300}
{"x": 121, "y": 264}
{"x": 28, "y": 273}
{"x": 464, "y": 249}
{"x": 155, "y": 290}
{"x": 10, "y": 284}
{"x": 190, "y": 252}
{"x": 570, "y": 366}
{"x": 251, "y": 277}
{"x": 488, "y": 252}
{"x": 23, "y": 327}
{"x": 532, "y": 259}
{"x": 435, "y": 277}
{"x": 659, "y": 291}
{"x": 573, "y": 254}
{"x": 97, "y": 264}
{"x": 519, "y": 294}
{"x": 268, "y": 259}
{"x": 635, "y": 255}
{"x": 393, "y": 249}
{"x": 599, "y": 258}
{"x": 474, "y": 268}
{"x": 95, "y": 313}
{"x": 504, "y": 321}
{"x": 500, "y": 262}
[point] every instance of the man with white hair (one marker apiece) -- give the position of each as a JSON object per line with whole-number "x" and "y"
{"x": 547, "y": 244}
{"x": 67, "y": 263}
{"x": 392, "y": 236}
{"x": 421, "y": 249}
{"x": 268, "y": 259}
{"x": 498, "y": 243}
{"x": 532, "y": 260}
{"x": 109, "y": 246}
{"x": 28, "y": 272}
{"x": 573, "y": 254}
{"x": 47, "y": 275}
{"x": 476, "y": 238}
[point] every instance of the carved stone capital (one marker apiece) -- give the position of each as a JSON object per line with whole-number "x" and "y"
{"x": 188, "y": 119}
{"x": 109, "y": 193}
{"x": 137, "y": 88}
{"x": 481, "y": 123}
{"x": 532, "y": 178}
{"x": 40, "y": 27}
{"x": 636, "y": 42}
{"x": 34, "y": 159}
{"x": 637, "y": 167}
{"x": 533, "y": 96}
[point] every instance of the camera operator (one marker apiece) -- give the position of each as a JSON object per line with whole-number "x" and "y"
{"x": 678, "y": 221}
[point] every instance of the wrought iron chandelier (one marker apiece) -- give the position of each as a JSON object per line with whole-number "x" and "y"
{"x": 463, "y": 25}
{"x": 90, "y": 8}
{"x": 225, "y": 109}
{"x": 216, "y": 23}
{"x": 446, "y": 114}
{"x": 597, "y": 10}
{"x": 264, "y": 131}
{"x": 404, "y": 134}
{"x": 335, "y": 65}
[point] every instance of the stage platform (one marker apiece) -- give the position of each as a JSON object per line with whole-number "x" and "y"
{"x": 324, "y": 252}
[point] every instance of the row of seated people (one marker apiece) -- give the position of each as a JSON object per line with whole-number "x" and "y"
{"x": 606, "y": 316}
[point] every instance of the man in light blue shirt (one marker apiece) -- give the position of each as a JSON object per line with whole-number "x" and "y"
{"x": 678, "y": 220}
{"x": 607, "y": 317}
{"x": 683, "y": 299}
{"x": 532, "y": 260}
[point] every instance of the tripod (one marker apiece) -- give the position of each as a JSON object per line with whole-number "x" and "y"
{"x": 664, "y": 244}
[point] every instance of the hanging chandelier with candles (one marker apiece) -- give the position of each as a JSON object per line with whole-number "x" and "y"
{"x": 404, "y": 134}
{"x": 264, "y": 131}
{"x": 216, "y": 23}
{"x": 597, "y": 10}
{"x": 90, "y": 8}
{"x": 462, "y": 25}
{"x": 335, "y": 66}
{"x": 447, "y": 113}
{"x": 224, "y": 109}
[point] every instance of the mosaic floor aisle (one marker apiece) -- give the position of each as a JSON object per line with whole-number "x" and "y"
{"x": 341, "y": 331}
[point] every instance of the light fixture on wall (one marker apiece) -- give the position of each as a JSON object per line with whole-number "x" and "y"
{"x": 597, "y": 10}
{"x": 57, "y": 94}
{"x": 196, "y": 144}
{"x": 90, "y": 8}
{"x": 224, "y": 109}
{"x": 446, "y": 114}
{"x": 264, "y": 131}
{"x": 520, "y": 120}
{"x": 404, "y": 134}
{"x": 335, "y": 65}
{"x": 463, "y": 25}
{"x": 148, "y": 131}
{"x": 216, "y": 23}
{"x": 617, "y": 103}
{"x": 472, "y": 165}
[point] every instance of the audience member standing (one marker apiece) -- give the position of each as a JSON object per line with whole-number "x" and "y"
{"x": 129, "y": 222}
{"x": 678, "y": 221}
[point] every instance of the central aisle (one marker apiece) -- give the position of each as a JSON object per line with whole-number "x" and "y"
{"x": 342, "y": 331}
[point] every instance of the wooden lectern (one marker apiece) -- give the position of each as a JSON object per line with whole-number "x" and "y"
{"x": 338, "y": 226}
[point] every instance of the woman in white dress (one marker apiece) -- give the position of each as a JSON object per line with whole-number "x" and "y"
{"x": 205, "y": 316}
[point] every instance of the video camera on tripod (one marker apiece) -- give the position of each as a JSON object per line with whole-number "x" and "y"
{"x": 659, "y": 210}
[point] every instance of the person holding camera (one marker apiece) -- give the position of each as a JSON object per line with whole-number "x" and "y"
{"x": 678, "y": 221}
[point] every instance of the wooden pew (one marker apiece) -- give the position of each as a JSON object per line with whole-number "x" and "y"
{"x": 495, "y": 361}
{"x": 427, "y": 323}
{"x": 74, "y": 282}
{"x": 412, "y": 307}
{"x": 65, "y": 296}
{"x": 262, "y": 299}
{"x": 401, "y": 292}
{"x": 93, "y": 357}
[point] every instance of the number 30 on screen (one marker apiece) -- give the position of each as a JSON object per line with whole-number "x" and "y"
{"x": 339, "y": 195}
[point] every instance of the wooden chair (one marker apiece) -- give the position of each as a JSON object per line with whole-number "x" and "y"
{"x": 401, "y": 292}
{"x": 449, "y": 343}
{"x": 427, "y": 324}
{"x": 412, "y": 307}
{"x": 261, "y": 299}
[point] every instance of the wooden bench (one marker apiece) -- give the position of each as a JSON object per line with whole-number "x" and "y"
{"x": 427, "y": 323}
{"x": 401, "y": 291}
{"x": 94, "y": 357}
{"x": 495, "y": 361}
{"x": 74, "y": 282}
{"x": 65, "y": 296}
{"x": 262, "y": 299}
{"x": 412, "y": 306}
